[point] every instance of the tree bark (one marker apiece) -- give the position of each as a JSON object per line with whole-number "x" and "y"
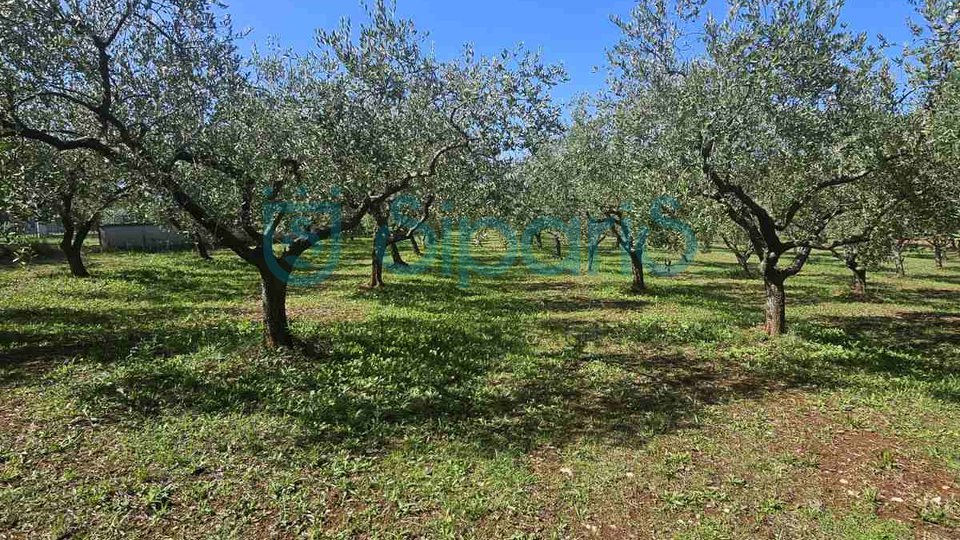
{"x": 557, "y": 247}
{"x": 938, "y": 253}
{"x": 382, "y": 220}
{"x": 860, "y": 281}
{"x": 776, "y": 309}
{"x": 898, "y": 259}
{"x": 273, "y": 294}
{"x": 415, "y": 245}
{"x": 376, "y": 269}
{"x": 850, "y": 260}
{"x": 395, "y": 255}
{"x": 538, "y": 239}
{"x": 636, "y": 263}
{"x": 859, "y": 275}
{"x": 73, "y": 237}
{"x": 744, "y": 261}
{"x": 72, "y": 244}
{"x": 592, "y": 253}
{"x": 74, "y": 258}
{"x": 201, "y": 245}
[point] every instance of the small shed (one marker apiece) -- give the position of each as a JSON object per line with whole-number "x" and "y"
{"x": 140, "y": 237}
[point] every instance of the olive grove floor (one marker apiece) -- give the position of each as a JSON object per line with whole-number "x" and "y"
{"x": 139, "y": 404}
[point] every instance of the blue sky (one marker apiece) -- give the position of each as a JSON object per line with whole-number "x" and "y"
{"x": 574, "y": 32}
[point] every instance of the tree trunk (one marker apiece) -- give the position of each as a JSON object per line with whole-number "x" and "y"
{"x": 859, "y": 281}
{"x": 74, "y": 258}
{"x": 72, "y": 243}
{"x": 201, "y": 245}
{"x": 557, "y": 247}
{"x": 859, "y": 272}
{"x": 539, "y": 240}
{"x": 273, "y": 294}
{"x": 898, "y": 259}
{"x": 938, "y": 254}
{"x": 73, "y": 237}
{"x": 592, "y": 252}
{"x": 395, "y": 255}
{"x": 376, "y": 269}
{"x": 744, "y": 260}
{"x": 776, "y": 324}
{"x": 380, "y": 240}
{"x": 415, "y": 246}
{"x": 742, "y": 255}
{"x": 636, "y": 262}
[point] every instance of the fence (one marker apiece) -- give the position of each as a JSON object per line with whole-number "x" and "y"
{"x": 39, "y": 229}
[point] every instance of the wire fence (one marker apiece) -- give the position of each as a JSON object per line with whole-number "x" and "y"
{"x": 37, "y": 229}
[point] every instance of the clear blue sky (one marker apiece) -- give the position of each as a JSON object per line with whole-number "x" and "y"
{"x": 574, "y": 32}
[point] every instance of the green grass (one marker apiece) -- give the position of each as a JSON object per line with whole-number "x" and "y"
{"x": 139, "y": 403}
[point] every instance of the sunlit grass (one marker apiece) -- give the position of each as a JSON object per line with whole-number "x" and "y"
{"x": 140, "y": 402}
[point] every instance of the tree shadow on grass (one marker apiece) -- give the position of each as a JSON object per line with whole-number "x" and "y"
{"x": 921, "y": 348}
{"x": 392, "y": 378}
{"x": 944, "y": 277}
{"x": 475, "y": 376}
{"x": 49, "y": 337}
{"x": 484, "y": 383}
{"x": 632, "y": 399}
{"x": 213, "y": 282}
{"x": 374, "y": 377}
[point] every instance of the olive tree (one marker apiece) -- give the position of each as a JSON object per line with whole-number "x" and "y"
{"x": 599, "y": 173}
{"x": 403, "y": 105}
{"x": 78, "y": 188}
{"x": 240, "y": 146}
{"x": 777, "y": 112}
{"x": 934, "y": 70}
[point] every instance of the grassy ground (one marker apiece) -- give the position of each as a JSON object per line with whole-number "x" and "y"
{"x": 139, "y": 404}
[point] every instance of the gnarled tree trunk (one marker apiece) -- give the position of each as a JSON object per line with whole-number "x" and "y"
{"x": 376, "y": 269}
{"x": 939, "y": 255}
{"x": 776, "y": 306}
{"x": 636, "y": 264}
{"x": 381, "y": 237}
{"x": 859, "y": 276}
{"x": 415, "y": 245}
{"x": 395, "y": 255}
{"x": 899, "y": 258}
{"x": 201, "y": 244}
{"x": 74, "y": 258}
{"x": 73, "y": 236}
{"x": 273, "y": 295}
{"x": 850, "y": 260}
{"x": 743, "y": 259}
{"x": 859, "y": 281}
{"x": 72, "y": 243}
